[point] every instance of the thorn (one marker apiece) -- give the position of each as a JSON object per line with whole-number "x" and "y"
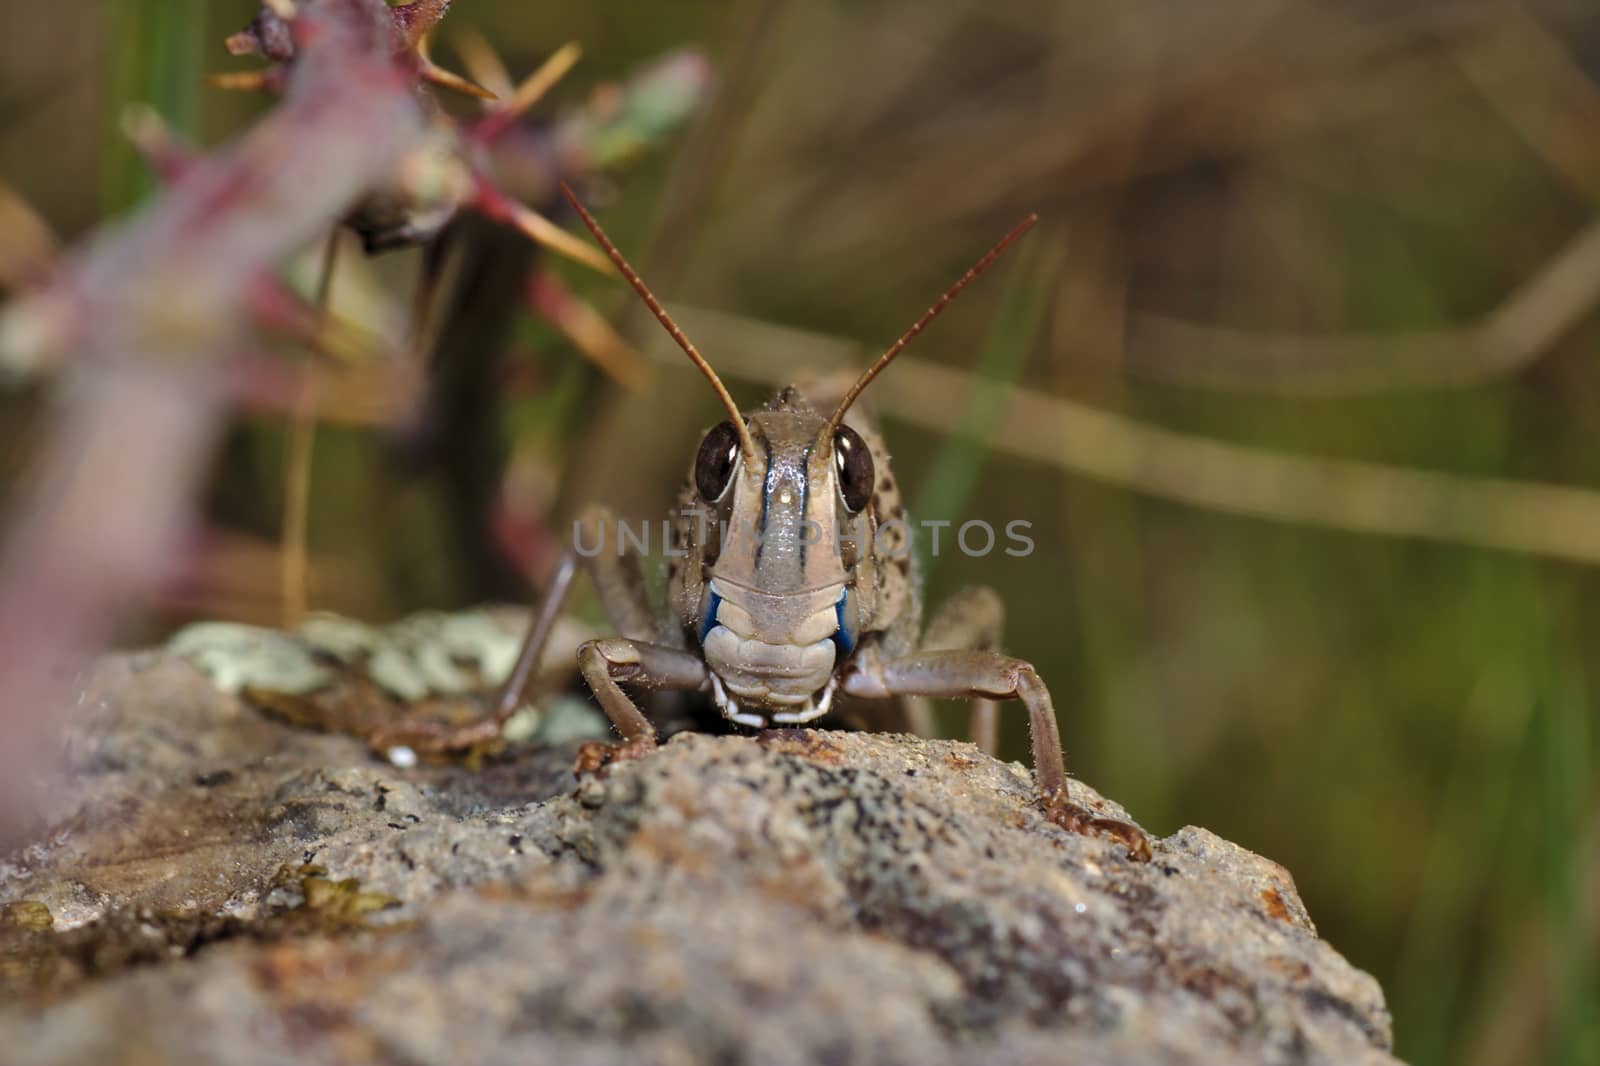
{"x": 552, "y": 70}
{"x": 531, "y": 91}
{"x": 549, "y": 298}
{"x": 243, "y": 43}
{"x": 444, "y": 79}
{"x": 248, "y": 81}
{"x": 499, "y": 207}
{"x": 484, "y": 63}
{"x": 156, "y": 142}
{"x": 436, "y": 74}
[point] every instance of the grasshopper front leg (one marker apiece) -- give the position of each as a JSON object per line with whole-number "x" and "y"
{"x": 981, "y": 674}
{"x": 639, "y": 655}
{"x": 606, "y": 663}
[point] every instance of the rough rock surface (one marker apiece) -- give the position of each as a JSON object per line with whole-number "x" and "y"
{"x": 798, "y": 897}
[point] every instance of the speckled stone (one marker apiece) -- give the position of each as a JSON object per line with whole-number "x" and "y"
{"x": 799, "y": 897}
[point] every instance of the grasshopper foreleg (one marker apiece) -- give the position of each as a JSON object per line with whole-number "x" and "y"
{"x": 607, "y": 662}
{"x": 617, "y": 578}
{"x": 639, "y": 656}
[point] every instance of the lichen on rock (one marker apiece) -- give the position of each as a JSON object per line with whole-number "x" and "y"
{"x": 341, "y": 675}
{"x": 796, "y": 897}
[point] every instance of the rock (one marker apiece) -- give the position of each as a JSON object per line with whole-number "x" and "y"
{"x": 217, "y": 884}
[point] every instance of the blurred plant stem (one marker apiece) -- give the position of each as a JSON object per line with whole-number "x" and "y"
{"x": 158, "y": 48}
{"x": 302, "y": 437}
{"x": 1109, "y": 577}
{"x": 1471, "y": 838}
{"x": 1565, "y": 777}
{"x": 169, "y": 293}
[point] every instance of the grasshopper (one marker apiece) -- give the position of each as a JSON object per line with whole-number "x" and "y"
{"x": 791, "y": 583}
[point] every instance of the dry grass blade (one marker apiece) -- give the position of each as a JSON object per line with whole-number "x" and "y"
{"x": 297, "y": 463}
{"x": 1511, "y": 337}
{"x": 1545, "y": 520}
{"x": 1533, "y": 80}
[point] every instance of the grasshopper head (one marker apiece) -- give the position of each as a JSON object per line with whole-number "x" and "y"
{"x": 777, "y": 549}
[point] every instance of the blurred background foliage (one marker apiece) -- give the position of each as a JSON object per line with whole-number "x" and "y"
{"x": 1329, "y": 231}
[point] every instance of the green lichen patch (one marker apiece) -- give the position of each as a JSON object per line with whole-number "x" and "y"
{"x": 426, "y": 676}
{"x": 237, "y": 657}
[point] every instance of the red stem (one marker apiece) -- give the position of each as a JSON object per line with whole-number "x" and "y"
{"x": 160, "y": 301}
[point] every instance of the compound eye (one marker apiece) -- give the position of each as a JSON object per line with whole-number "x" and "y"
{"x": 713, "y": 467}
{"x": 854, "y": 463}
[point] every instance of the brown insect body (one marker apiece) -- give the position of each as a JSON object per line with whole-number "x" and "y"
{"x": 792, "y": 582}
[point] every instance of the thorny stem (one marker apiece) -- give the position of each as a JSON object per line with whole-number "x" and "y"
{"x": 418, "y": 18}
{"x": 529, "y": 93}
{"x": 157, "y": 303}
{"x": 501, "y": 207}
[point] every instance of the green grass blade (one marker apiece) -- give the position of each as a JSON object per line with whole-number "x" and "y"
{"x": 1011, "y": 339}
{"x": 158, "y": 47}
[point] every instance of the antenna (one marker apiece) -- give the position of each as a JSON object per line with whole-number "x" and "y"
{"x": 927, "y": 316}
{"x": 746, "y": 444}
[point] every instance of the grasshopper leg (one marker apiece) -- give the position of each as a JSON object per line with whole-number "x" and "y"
{"x": 620, "y": 584}
{"x": 979, "y": 674}
{"x": 607, "y": 663}
{"x": 436, "y": 737}
{"x": 971, "y": 619}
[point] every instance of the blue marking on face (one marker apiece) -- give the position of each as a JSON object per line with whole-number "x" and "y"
{"x": 843, "y": 638}
{"x": 709, "y": 621}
